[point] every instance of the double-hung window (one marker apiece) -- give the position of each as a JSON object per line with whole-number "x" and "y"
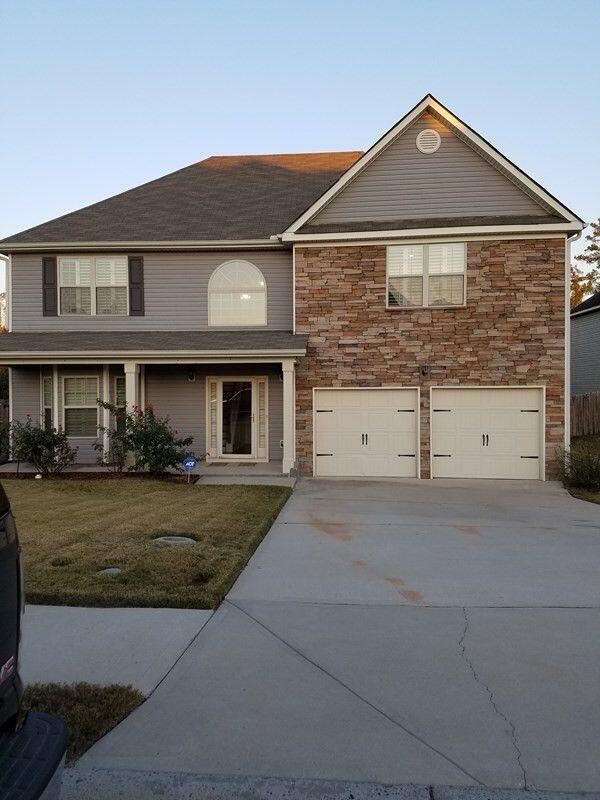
{"x": 80, "y": 406}
{"x": 423, "y": 275}
{"x": 93, "y": 285}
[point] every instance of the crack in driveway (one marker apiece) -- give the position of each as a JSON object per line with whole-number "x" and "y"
{"x": 493, "y": 703}
{"x": 352, "y": 691}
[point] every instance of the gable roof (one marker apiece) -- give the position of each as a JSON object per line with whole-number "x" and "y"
{"x": 223, "y": 198}
{"x": 260, "y": 200}
{"x": 553, "y": 207}
{"x": 591, "y": 304}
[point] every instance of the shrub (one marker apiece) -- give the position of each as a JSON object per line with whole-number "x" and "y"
{"x": 144, "y": 439}
{"x": 581, "y": 466}
{"x": 4, "y": 442}
{"x": 48, "y": 450}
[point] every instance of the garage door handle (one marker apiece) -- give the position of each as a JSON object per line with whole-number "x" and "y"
{"x": 366, "y": 438}
{"x": 485, "y": 439}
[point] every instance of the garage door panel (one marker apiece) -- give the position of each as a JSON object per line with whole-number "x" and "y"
{"x": 369, "y": 432}
{"x": 492, "y": 433}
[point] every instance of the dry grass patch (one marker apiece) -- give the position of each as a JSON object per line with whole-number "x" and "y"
{"x": 582, "y": 494}
{"x": 88, "y": 711}
{"x": 70, "y": 530}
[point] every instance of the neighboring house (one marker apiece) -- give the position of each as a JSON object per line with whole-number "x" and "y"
{"x": 585, "y": 346}
{"x": 399, "y": 312}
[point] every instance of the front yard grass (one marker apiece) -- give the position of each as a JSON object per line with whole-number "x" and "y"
{"x": 71, "y": 529}
{"x": 89, "y": 711}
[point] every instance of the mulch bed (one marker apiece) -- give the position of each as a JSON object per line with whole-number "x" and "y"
{"x": 87, "y": 476}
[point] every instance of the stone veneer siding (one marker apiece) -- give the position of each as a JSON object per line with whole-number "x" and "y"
{"x": 511, "y": 331}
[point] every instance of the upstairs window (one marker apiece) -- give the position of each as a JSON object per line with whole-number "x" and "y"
{"x": 237, "y": 295}
{"x": 80, "y": 404}
{"x": 426, "y": 275}
{"x": 93, "y": 285}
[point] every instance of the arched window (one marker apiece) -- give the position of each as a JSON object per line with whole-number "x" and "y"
{"x": 237, "y": 295}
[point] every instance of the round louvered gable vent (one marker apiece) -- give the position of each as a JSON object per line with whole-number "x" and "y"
{"x": 428, "y": 141}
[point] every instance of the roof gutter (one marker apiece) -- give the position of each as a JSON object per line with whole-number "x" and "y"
{"x": 584, "y": 311}
{"x": 227, "y": 244}
{"x": 554, "y": 227}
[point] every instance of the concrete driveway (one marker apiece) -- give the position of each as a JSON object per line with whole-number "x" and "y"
{"x": 442, "y": 632}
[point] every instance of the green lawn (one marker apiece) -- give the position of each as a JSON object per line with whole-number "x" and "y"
{"x": 70, "y": 529}
{"x": 89, "y": 711}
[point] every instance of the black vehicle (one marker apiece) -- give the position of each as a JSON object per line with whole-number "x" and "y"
{"x": 31, "y": 754}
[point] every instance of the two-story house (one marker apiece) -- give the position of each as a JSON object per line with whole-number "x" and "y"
{"x": 397, "y": 312}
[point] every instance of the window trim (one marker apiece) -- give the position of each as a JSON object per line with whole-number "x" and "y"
{"x": 93, "y": 286}
{"x": 115, "y": 394}
{"x": 115, "y": 379}
{"x": 211, "y": 324}
{"x": 43, "y": 406}
{"x": 65, "y": 406}
{"x": 425, "y": 305}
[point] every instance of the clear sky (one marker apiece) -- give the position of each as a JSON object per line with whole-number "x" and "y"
{"x": 97, "y": 96}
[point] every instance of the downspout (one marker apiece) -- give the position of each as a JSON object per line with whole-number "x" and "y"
{"x": 569, "y": 241}
{"x": 7, "y": 288}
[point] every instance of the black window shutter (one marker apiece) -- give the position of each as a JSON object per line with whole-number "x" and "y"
{"x": 49, "y": 286}
{"x": 136, "y": 286}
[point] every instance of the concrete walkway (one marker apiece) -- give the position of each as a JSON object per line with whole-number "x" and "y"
{"x": 432, "y": 632}
{"x": 136, "y": 646}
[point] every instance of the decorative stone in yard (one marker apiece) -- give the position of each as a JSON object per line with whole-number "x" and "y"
{"x": 177, "y": 540}
{"x": 110, "y": 571}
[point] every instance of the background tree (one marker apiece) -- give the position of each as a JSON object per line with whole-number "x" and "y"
{"x": 586, "y": 281}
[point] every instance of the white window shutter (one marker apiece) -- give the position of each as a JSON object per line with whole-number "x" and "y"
{"x": 262, "y": 413}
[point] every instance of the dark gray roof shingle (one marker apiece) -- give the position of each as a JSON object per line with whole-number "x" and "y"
{"x": 149, "y": 341}
{"x": 428, "y": 222}
{"x": 219, "y": 199}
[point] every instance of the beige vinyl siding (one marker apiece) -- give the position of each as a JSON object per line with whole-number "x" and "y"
{"x": 402, "y": 183}
{"x": 175, "y": 289}
{"x": 172, "y": 394}
{"x": 26, "y": 399}
{"x": 585, "y": 353}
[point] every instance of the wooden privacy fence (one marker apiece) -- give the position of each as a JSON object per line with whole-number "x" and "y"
{"x": 585, "y": 414}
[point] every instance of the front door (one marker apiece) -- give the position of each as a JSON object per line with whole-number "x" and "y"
{"x": 237, "y": 419}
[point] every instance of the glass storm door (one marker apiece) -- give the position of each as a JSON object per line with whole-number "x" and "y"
{"x": 237, "y": 419}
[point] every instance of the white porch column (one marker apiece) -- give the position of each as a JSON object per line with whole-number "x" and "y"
{"x": 289, "y": 414}
{"x": 132, "y": 389}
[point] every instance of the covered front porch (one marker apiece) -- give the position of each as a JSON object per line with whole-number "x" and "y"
{"x": 238, "y": 407}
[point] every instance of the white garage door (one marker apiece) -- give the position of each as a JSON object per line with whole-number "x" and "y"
{"x": 366, "y": 432}
{"x": 487, "y": 433}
